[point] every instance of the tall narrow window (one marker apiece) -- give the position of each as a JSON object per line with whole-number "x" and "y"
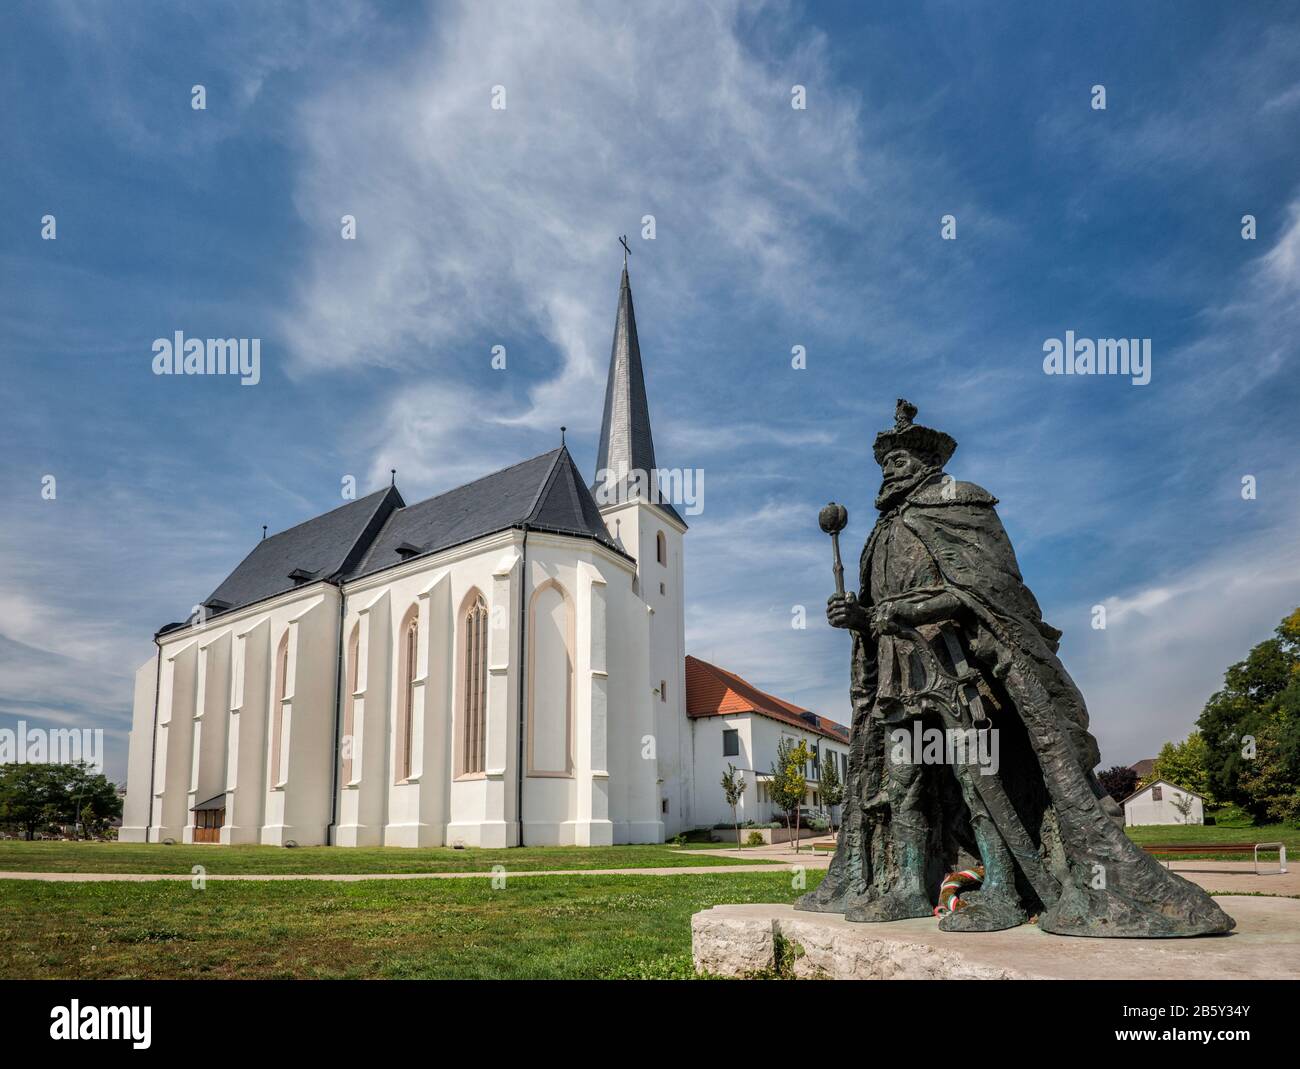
{"x": 350, "y": 703}
{"x": 277, "y": 714}
{"x": 473, "y": 685}
{"x": 408, "y": 666}
{"x": 661, "y": 548}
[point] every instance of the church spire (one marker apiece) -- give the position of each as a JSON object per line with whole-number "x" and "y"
{"x": 626, "y": 445}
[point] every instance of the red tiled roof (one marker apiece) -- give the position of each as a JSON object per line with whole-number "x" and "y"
{"x": 713, "y": 691}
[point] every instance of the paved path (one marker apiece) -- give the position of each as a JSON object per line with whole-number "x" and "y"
{"x": 1238, "y": 877}
{"x": 1220, "y": 877}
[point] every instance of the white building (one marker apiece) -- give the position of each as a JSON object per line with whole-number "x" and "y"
{"x": 732, "y": 722}
{"x": 1163, "y": 803}
{"x": 502, "y": 663}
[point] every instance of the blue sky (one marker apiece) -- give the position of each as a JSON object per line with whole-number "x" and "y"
{"x": 775, "y": 227}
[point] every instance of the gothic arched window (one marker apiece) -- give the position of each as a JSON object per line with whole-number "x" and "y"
{"x": 408, "y": 666}
{"x": 350, "y": 702}
{"x": 661, "y": 549}
{"x": 277, "y": 714}
{"x": 472, "y": 696}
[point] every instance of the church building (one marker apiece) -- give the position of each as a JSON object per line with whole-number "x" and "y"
{"x": 501, "y": 664}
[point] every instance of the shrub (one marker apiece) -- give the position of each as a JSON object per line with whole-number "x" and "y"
{"x": 755, "y": 839}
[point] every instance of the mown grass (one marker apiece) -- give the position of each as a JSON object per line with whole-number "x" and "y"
{"x": 16, "y": 856}
{"x": 543, "y": 926}
{"x": 1164, "y": 834}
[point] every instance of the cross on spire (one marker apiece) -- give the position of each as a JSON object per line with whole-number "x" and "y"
{"x": 623, "y": 241}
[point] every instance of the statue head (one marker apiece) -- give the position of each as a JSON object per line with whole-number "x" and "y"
{"x": 908, "y": 455}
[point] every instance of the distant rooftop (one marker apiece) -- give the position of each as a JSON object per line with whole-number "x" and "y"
{"x": 713, "y": 691}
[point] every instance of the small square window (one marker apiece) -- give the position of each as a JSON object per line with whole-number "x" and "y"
{"x": 731, "y": 743}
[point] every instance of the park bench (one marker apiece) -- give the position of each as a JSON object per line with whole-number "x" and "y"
{"x": 1221, "y": 848}
{"x": 823, "y": 844}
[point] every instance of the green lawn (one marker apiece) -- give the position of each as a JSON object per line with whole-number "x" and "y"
{"x": 16, "y": 856}
{"x": 1213, "y": 833}
{"x": 542, "y": 926}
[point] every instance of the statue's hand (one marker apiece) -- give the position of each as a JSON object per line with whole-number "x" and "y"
{"x": 843, "y": 610}
{"x": 887, "y": 618}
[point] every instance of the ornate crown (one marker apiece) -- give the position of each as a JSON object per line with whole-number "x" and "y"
{"x": 913, "y": 437}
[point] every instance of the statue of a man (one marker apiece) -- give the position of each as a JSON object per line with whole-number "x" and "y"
{"x": 947, "y": 638}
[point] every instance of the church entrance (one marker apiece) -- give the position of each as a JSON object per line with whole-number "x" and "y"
{"x": 209, "y": 817}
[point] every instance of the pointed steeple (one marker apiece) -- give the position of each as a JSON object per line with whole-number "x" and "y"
{"x": 625, "y": 441}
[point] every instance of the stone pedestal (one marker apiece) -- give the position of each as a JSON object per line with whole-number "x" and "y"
{"x": 744, "y": 940}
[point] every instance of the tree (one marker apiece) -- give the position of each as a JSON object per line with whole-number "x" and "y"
{"x": 1119, "y": 782}
{"x": 733, "y": 786}
{"x": 37, "y": 794}
{"x": 832, "y": 788}
{"x": 1183, "y": 802}
{"x": 1275, "y": 793}
{"x": 1184, "y": 764}
{"x": 1260, "y": 698}
{"x": 95, "y": 800}
{"x": 790, "y": 781}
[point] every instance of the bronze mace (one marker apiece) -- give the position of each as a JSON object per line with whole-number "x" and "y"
{"x": 833, "y": 519}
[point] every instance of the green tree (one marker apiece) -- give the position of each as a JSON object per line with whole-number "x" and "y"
{"x": 832, "y": 788}
{"x": 1266, "y": 780}
{"x": 790, "y": 781}
{"x": 95, "y": 800}
{"x": 38, "y": 794}
{"x": 1260, "y": 698}
{"x": 733, "y": 787}
{"x": 1185, "y": 764}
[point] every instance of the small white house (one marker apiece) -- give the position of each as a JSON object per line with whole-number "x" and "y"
{"x": 1162, "y": 802}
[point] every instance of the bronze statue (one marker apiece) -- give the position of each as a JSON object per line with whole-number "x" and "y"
{"x": 970, "y": 747}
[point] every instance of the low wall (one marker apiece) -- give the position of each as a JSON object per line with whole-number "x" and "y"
{"x": 770, "y": 835}
{"x": 744, "y": 940}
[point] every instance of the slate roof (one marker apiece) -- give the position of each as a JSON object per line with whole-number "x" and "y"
{"x": 546, "y": 492}
{"x": 713, "y": 691}
{"x": 362, "y": 537}
{"x": 327, "y": 546}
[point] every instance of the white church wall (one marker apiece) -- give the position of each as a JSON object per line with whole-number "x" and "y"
{"x": 211, "y": 724}
{"x": 247, "y": 737}
{"x": 594, "y": 826}
{"x": 135, "y": 811}
{"x": 298, "y": 794}
{"x": 221, "y": 708}
{"x": 637, "y": 526}
{"x": 550, "y": 779}
{"x": 214, "y": 707}
{"x": 174, "y": 750}
{"x": 363, "y": 757}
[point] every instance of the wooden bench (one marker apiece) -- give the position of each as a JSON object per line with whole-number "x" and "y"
{"x": 1221, "y": 848}
{"x": 824, "y": 844}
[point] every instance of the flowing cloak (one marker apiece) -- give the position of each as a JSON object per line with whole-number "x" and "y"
{"x": 1109, "y": 886}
